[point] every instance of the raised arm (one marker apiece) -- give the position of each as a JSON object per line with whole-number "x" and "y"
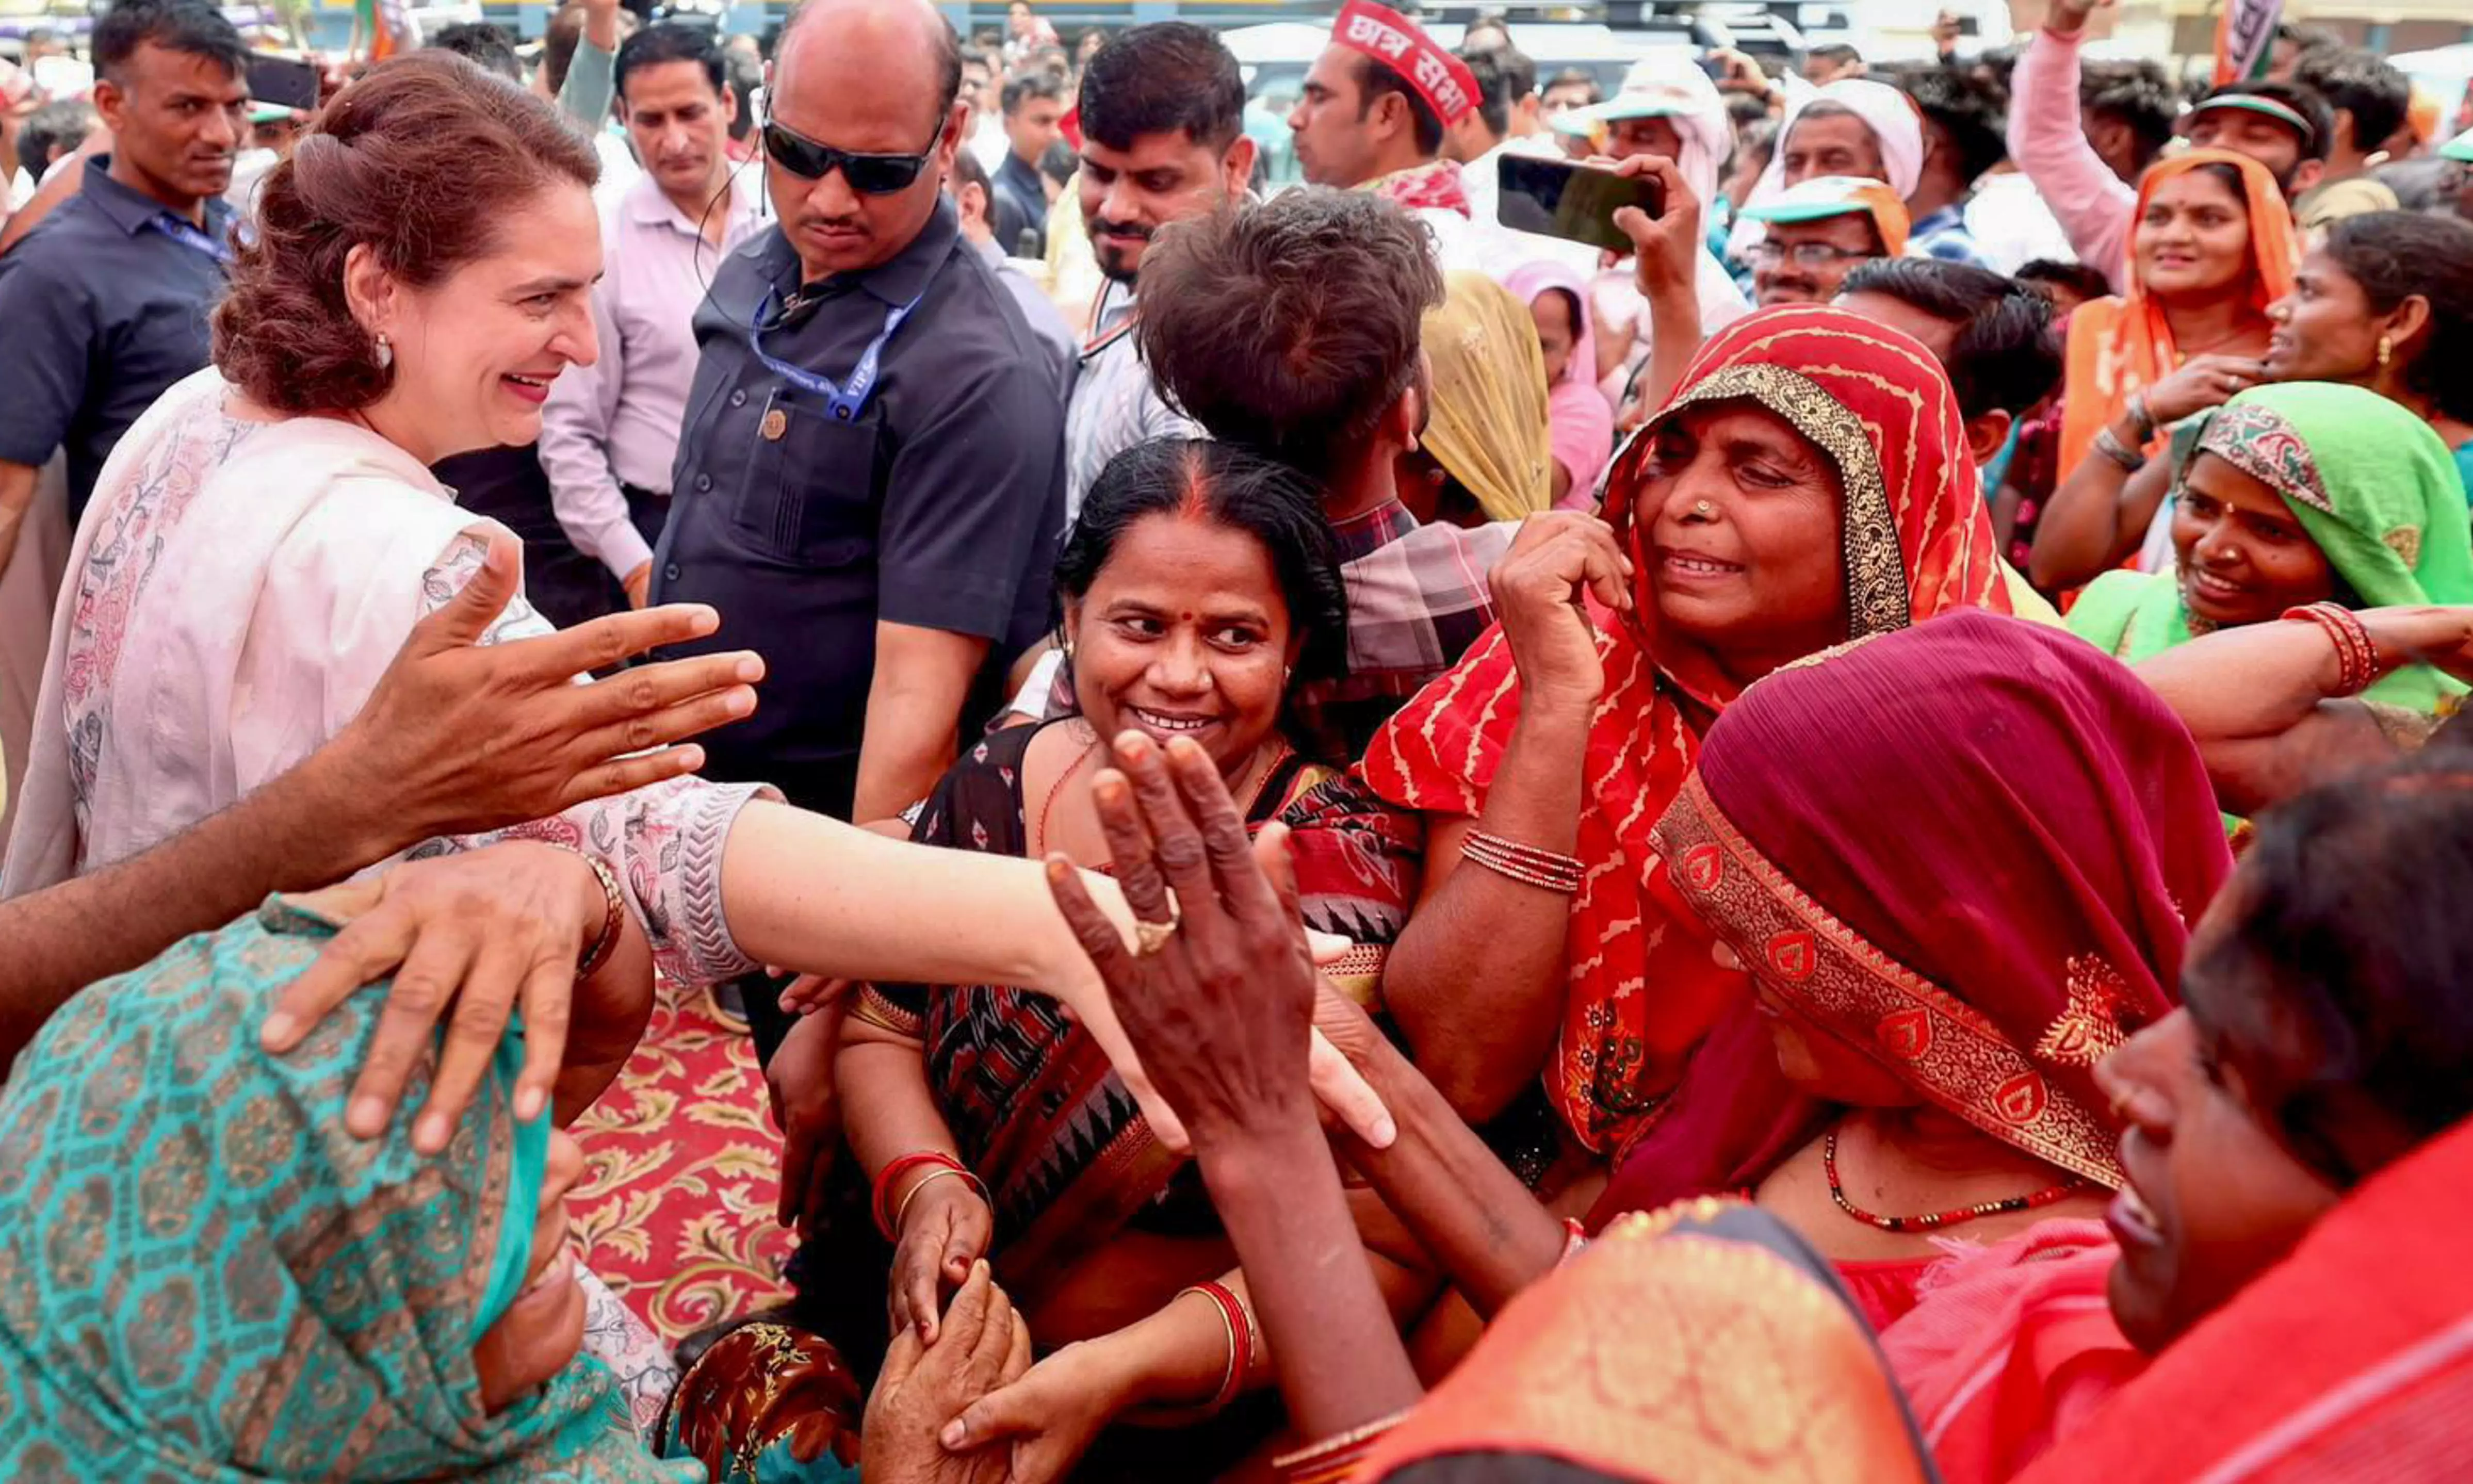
{"x": 2048, "y": 139}
{"x": 2097, "y": 515}
{"x": 1477, "y": 979}
{"x": 1467, "y": 1211}
{"x": 2100, "y": 513}
{"x": 1222, "y": 1009}
{"x": 1666, "y": 263}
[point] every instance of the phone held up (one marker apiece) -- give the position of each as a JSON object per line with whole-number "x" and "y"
{"x": 1577, "y": 202}
{"x": 284, "y": 81}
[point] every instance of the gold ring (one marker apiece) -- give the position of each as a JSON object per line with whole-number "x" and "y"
{"x": 1151, "y": 937}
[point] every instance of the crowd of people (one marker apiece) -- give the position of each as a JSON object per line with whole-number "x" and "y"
{"x": 1357, "y": 843}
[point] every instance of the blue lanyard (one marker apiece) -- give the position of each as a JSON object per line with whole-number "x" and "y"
{"x": 846, "y": 401}
{"x": 188, "y": 235}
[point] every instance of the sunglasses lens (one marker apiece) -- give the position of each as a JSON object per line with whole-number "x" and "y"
{"x": 869, "y": 175}
{"x": 799, "y": 156}
{"x": 880, "y": 175}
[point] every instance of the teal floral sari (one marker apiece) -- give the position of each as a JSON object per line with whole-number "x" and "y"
{"x": 202, "y": 1277}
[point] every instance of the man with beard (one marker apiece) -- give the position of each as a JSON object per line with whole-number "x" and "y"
{"x": 1163, "y": 139}
{"x": 610, "y": 429}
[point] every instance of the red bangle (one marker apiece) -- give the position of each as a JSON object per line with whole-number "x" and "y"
{"x": 2357, "y": 657}
{"x": 894, "y": 1170}
{"x": 1241, "y": 1339}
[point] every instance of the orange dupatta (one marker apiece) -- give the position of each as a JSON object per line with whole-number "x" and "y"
{"x": 2123, "y": 346}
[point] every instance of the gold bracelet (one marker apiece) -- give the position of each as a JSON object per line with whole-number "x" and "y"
{"x": 614, "y": 909}
{"x": 1331, "y": 1460}
{"x": 941, "y": 1172}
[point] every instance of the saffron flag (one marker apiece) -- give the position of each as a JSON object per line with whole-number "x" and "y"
{"x": 2246, "y": 40}
{"x": 381, "y": 27}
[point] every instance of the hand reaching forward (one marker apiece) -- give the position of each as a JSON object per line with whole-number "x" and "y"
{"x": 1220, "y": 1013}
{"x": 461, "y": 737}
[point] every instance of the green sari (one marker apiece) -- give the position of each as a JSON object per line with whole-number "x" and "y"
{"x": 202, "y": 1277}
{"x": 2372, "y": 484}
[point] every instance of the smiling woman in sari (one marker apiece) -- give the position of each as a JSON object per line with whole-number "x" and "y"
{"x": 1808, "y": 483}
{"x": 2298, "y": 494}
{"x": 1200, "y": 588}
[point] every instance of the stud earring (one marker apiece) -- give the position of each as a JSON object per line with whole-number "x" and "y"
{"x": 2386, "y": 350}
{"x": 385, "y": 353}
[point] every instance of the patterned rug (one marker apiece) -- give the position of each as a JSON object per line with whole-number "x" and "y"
{"x": 674, "y": 1210}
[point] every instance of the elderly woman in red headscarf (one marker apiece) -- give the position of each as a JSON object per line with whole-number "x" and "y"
{"x": 1807, "y": 485}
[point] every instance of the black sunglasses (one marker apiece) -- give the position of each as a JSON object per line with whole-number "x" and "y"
{"x": 869, "y": 175}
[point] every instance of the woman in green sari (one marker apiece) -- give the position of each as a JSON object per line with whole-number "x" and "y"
{"x": 2296, "y": 493}
{"x": 206, "y": 1277}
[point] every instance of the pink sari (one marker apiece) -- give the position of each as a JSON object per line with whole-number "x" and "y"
{"x": 1580, "y": 426}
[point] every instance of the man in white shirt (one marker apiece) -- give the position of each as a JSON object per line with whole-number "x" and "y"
{"x": 611, "y": 430}
{"x": 1164, "y": 140}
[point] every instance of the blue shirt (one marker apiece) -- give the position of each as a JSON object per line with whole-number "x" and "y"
{"x": 1017, "y": 207}
{"x": 1943, "y": 235}
{"x": 938, "y": 507}
{"x": 104, "y": 309}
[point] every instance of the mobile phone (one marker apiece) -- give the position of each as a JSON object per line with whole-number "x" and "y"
{"x": 284, "y": 82}
{"x": 1562, "y": 199}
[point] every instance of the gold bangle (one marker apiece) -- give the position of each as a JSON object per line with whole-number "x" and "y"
{"x": 941, "y": 1172}
{"x": 614, "y": 908}
{"x": 1329, "y": 1458}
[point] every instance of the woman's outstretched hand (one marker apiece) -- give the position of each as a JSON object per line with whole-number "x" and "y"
{"x": 1220, "y": 1013}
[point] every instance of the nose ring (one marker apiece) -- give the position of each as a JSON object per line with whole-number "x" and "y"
{"x": 1703, "y": 507}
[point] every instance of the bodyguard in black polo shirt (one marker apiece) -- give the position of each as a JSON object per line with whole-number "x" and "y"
{"x": 872, "y": 474}
{"x": 104, "y": 304}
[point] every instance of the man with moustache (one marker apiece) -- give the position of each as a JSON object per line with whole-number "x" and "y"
{"x": 871, "y": 481}
{"x": 1818, "y": 231}
{"x": 1163, "y": 139}
{"x": 609, "y": 432}
{"x": 104, "y": 304}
